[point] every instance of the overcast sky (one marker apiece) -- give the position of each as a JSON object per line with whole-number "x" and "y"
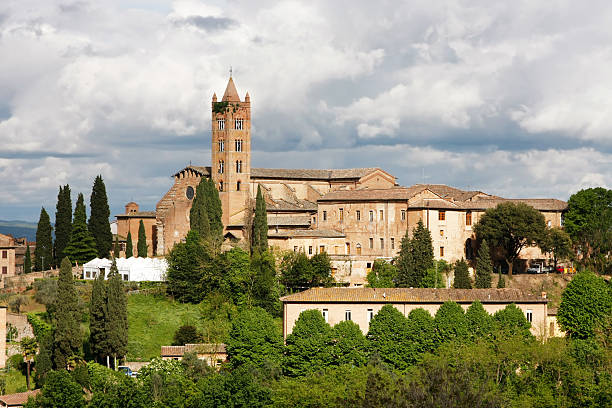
{"x": 512, "y": 98}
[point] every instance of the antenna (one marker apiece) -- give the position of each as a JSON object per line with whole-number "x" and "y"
{"x": 230, "y": 71}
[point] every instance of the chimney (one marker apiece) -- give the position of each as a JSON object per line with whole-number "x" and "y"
{"x": 543, "y": 295}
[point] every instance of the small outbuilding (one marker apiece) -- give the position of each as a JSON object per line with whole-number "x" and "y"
{"x": 130, "y": 269}
{"x": 17, "y": 400}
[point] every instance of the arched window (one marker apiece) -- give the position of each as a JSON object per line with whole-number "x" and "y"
{"x": 238, "y": 166}
{"x": 238, "y": 145}
{"x": 221, "y": 166}
{"x": 238, "y": 186}
{"x": 469, "y": 250}
{"x": 221, "y": 145}
{"x": 358, "y": 248}
{"x": 221, "y": 185}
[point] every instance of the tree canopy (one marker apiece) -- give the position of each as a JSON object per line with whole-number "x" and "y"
{"x": 63, "y": 222}
{"x": 43, "y": 254}
{"x": 186, "y": 273}
{"x": 142, "y": 241}
{"x": 415, "y": 257}
{"x": 68, "y": 337}
{"x": 205, "y": 214}
{"x": 387, "y": 337}
{"x": 308, "y": 345}
{"x": 382, "y": 275}
{"x": 511, "y": 227}
{"x": 260, "y": 223}
{"x": 462, "y": 276}
{"x": 82, "y": 246}
{"x": 99, "y": 219}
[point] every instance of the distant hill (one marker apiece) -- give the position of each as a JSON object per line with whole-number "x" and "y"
{"x": 19, "y": 229}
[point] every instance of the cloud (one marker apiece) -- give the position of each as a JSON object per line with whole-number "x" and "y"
{"x": 509, "y": 98}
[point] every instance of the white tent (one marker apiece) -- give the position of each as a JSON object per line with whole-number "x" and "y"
{"x": 130, "y": 269}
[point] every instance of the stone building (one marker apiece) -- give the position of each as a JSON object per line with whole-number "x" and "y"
{"x": 361, "y": 304}
{"x": 355, "y": 215}
{"x": 7, "y": 255}
{"x": 130, "y": 222}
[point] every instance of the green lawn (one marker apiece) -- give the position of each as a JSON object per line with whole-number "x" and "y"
{"x": 152, "y": 323}
{"x": 16, "y": 381}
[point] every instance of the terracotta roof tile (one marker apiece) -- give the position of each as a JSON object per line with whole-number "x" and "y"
{"x": 19, "y": 398}
{"x": 204, "y": 348}
{"x": 410, "y": 295}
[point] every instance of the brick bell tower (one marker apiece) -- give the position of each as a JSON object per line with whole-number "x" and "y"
{"x": 231, "y": 151}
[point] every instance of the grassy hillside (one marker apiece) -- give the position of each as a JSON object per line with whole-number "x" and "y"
{"x": 152, "y": 323}
{"x": 553, "y": 284}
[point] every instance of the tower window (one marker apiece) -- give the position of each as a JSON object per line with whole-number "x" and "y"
{"x": 238, "y": 145}
{"x": 441, "y": 252}
{"x": 324, "y": 215}
{"x": 221, "y": 166}
{"x": 382, "y": 215}
{"x": 392, "y": 243}
{"x": 221, "y": 145}
{"x": 468, "y": 218}
{"x": 441, "y": 215}
{"x": 371, "y": 243}
{"x": 371, "y": 216}
{"x": 237, "y": 186}
{"x": 238, "y": 166}
{"x": 221, "y": 124}
{"x": 382, "y": 243}
{"x": 403, "y": 215}
{"x": 221, "y": 186}
{"x": 358, "y": 215}
{"x": 341, "y": 214}
{"x": 238, "y": 124}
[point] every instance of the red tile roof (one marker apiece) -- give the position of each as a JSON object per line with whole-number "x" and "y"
{"x": 18, "y": 399}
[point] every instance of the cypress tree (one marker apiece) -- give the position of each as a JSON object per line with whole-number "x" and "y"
{"x": 97, "y": 318}
{"x": 99, "y": 224}
{"x": 198, "y": 216}
{"x": 27, "y": 263}
{"x": 501, "y": 282}
{"x": 43, "y": 254}
{"x": 63, "y": 222}
{"x": 422, "y": 253}
{"x": 405, "y": 264}
{"x": 462, "y": 276}
{"x": 484, "y": 267}
{"x": 260, "y": 224}
{"x": 129, "y": 252}
{"x": 44, "y": 359}
{"x": 116, "y": 323}
{"x": 82, "y": 246}
{"x": 142, "y": 241}
{"x": 206, "y": 212}
{"x": 116, "y": 253}
{"x": 68, "y": 338}
{"x": 215, "y": 213}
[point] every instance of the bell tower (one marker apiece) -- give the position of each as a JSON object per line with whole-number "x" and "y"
{"x": 231, "y": 151}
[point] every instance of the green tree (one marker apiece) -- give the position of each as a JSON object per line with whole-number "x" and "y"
{"x": 43, "y": 254}
{"x": 266, "y": 290}
{"x": 558, "y": 243}
{"x": 116, "y": 249}
{"x": 44, "y": 359}
{"x": 462, "y": 276}
{"x": 450, "y": 323}
{"x": 511, "y": 227}
{"x": 479, "y": 322}
{"x": 63, "y": 222}
{"x": 28, "y": 347}
{"x": 186, "y": 334}
{"x": 511, "y": 321}
{"x": 198, "y": 215}
{"x": 129, "y": 251}
{"x": 586, "y": 303}
{"x": 321, "y": 270}
{"x": 588, "y": 221}
{"x": 415, "y": 257}
{"x": 142, "y": 241}
{"x": 420, "y": 334}
{"x": 349, "y": 345}
{"x": 260, "y": 224}
{"x": 68, "y": 337}
{"x": 27, "y": 262}
{"x": 99, "y": 224}
{"x": 98, "y": 315}
{"x": 237, "y": 279}
{"x": 59, "y": 391}
{"x": 254, "y": 340}
{"x": 205, "y": 214}
{"x": 433, "y": 276}
{"x": 501, "y": 282}
{"x": 299, "y": 272}
{"x": 116, "y": 321}
{"x": 186, "y": 272}
{"x": 484, "y": 267}
{"x": 308, "y": 346}
{"x": 387, "y": 337}
{"x": 82, "y": 246}
{"x": 382, "y": 275}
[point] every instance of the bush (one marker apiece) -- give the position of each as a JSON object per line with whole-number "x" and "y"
{"x": 186, "y": 334}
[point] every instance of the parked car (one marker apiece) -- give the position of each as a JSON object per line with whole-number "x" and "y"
{"x": 128, "y": 371}
{"x": 535, "y": 269}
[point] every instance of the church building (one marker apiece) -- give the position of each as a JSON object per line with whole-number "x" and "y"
{"x": 355, "y": 215}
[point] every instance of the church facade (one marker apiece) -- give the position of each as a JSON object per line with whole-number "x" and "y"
{"x": 354, "y": 215}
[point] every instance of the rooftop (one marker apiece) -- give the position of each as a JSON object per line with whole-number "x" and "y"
{"x": 296, "y": 174}
{"x": 202, "y": 348}
{"x": 18, "y": 399}
{"x": 137, "y": 214}
{"x": 411, "y": 295}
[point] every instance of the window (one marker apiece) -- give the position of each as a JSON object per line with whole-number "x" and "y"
{"x": 325, "y": 314}
{"x": 358, "y": 246}
{"x": 238, "y": 166}
{"x": 441, "y": 215}
{"x": 403, "y": 215}
{"x": 221, "y": 186}
{"x": 4, "y": 270}
{"x": 371, "y": 215}
{"x": 347, "y": 315}
{"x": 221, "y": 166}
{"x": 125, "y": 277}
{"x": 441, "y": 252}
{"x": 324, "y": 215}
{"x": 321, "y": 249}
{"x": 221, "y": 145}
{"x": 382, "y": 243}
{"x": 529, "y": 315}
{"x": 238, "y": 124}
{"x": 368, "y": 265}
{"x": 441, "y": 233}
{"x": 370, "y": 315}
{"x": 295, "y": 248}
{"x": 348, "y": 248}
{"x": 371, "y": 243}
{"x": 392, "y": 243}
{"x": 341, "y": 211}
{"x": 468, "y": 218}
{"x": 358, "y": 215}
{"x": 237, "y": 186}
{"x": 310, "y": 250}
{"x": 314, "y": 220}
{"x": 221, "y": 124}
{"x": 549, "y": 224}
{"x": 189, "y": 193}
{"x": 238, "y": 145}
{"x": 381, "y": 215}
{"x": 4, "y": 254}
